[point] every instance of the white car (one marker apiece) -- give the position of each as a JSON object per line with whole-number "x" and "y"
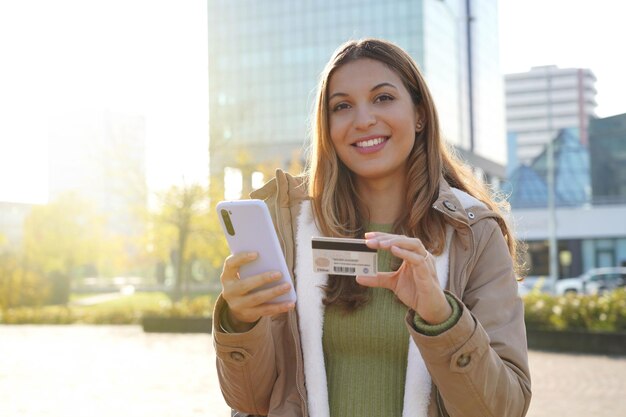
{"x": 593, "y": 281}
{"x": 532, "y": 283}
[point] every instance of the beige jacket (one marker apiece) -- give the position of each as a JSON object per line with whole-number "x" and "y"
{"x": 478, "y": 368}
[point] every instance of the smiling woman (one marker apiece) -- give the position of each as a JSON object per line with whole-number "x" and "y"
{"x": 443, "y": 308}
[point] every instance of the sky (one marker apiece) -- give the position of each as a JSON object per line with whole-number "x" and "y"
{"x": 143, "y": 57}
{"x": 149, "y": 57}
{"x": 570, "y": 34}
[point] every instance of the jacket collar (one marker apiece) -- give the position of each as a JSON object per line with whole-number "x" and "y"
{"x": 286, "y": 188}
{"x": 460, "y": 208}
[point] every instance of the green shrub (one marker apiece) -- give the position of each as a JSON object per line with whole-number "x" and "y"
{"x": 538, "y": 309}
{"x": 38, "y": 315}
{"x": 126, "y": 310}
{"x": 598, "y": 312}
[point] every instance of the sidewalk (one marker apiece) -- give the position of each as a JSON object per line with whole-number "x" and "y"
{"x": 576, "y": 385}
{"x": 105, "y": 371}
{"x": 565, "y": 385}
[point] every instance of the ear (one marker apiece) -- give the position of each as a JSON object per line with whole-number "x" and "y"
{"x": 420, "y": 119}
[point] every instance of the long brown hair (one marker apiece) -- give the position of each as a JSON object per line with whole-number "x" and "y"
{"x": 331, "y": 184}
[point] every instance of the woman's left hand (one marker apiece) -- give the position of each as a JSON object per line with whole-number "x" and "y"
{"x": 415, "y": 283}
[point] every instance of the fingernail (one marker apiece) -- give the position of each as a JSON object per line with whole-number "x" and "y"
{"x": 275, "y": 275}
{"x": 251, "y": 255}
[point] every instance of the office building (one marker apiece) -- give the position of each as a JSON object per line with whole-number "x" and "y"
{"x": 589, "y": 224}
{"x": 544, "y": 100}
{"x": 528, "y": 184}
{"x": 607, "y": 146}
{"x": 265, "y": 58}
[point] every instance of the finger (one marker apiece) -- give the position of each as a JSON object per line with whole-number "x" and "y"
{"x": 407, "y": 243}
{"x": 379, "y": 236}
{"x": 374, "y": 235}
{"x": 233, "y": 263}
{"x": 249, "y": 284}
{"x": 380, "y": 280}
{"x": 270, "y": 309}
{"x": 241, "y": 287}
{"x": 413, "y": 258}
{"x": 374, "y": 240}
{"x": 256, "y": 299}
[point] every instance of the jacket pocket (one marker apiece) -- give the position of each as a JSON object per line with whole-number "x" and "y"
{"x": 236, "y": 356}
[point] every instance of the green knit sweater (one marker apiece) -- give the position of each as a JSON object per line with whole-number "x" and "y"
{"x": 365, "y": 353}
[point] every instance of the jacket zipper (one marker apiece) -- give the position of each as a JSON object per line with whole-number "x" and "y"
{"x": 441, "y": 410}
{"x": 471, "y": 236}
{"x": 298, "y": 370}
{"x": 294, "y": 332}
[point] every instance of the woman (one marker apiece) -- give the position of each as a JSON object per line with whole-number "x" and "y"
{"x": 442, "y": 332}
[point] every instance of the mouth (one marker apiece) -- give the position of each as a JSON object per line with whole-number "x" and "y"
{"x": 370, "y": 142}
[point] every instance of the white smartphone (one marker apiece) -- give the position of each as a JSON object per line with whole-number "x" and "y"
{"x": 248, "y": 227}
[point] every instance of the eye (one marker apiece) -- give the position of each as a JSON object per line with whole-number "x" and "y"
{"x": 340, "y": 106}
{"x": 384, "y": 97}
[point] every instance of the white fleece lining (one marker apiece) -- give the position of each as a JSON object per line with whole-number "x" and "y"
{"x": 310, "y": 309}
{"x": 311, "y": 318}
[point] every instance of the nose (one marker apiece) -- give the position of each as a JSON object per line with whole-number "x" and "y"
{"x": 364, "y": 118}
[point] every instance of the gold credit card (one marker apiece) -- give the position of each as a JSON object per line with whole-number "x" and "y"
{"x": 343, "y": 256}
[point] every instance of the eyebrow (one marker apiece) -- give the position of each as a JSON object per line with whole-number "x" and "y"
{"x": 376, "y": 87}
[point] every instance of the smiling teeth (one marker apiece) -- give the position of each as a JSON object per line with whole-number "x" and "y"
{"x": 371, "y": 142}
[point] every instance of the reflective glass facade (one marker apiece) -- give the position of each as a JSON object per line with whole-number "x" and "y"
{"x": 590, "y": 196}
{"x": 607, "y": 143}
{"x": 265, "y": 57}
{"x": 527, "y": 186}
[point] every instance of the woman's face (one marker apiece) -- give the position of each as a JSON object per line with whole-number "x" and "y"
{"x": 372, "y": 119}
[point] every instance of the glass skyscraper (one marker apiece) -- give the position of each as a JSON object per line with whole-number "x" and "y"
{"x": 607, "y": 146}
{"x": 265, "y": 57}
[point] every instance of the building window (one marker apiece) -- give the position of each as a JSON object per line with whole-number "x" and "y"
{"x": 257, "y": 180}
{"x": 233, "y": 183}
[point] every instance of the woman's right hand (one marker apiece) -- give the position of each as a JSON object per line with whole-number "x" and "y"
{"x": 246, "y": 307}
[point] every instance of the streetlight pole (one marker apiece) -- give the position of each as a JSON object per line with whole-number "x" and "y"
{"x": 552, "y": 240}
{"x": 470, "y": 72}
{"x": 455, "y": 14}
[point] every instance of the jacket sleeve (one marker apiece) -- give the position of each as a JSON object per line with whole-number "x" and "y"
{"x": 480, "y": 365}
{"x": 246, "y": 365}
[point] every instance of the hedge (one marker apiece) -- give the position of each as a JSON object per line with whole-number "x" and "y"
{"x": 599, "y": 312}
{"x": 113, "y": 313}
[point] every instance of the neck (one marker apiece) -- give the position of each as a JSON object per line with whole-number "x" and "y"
{"x": 384, "y": 199}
